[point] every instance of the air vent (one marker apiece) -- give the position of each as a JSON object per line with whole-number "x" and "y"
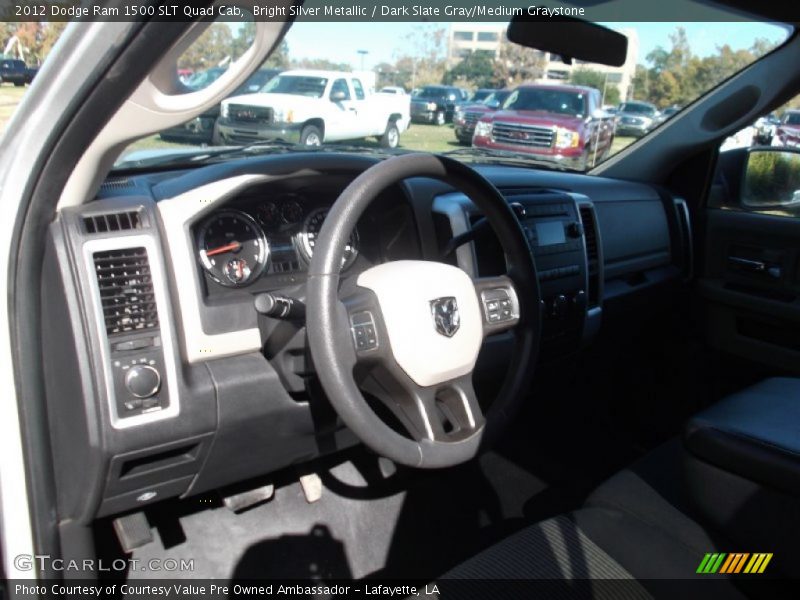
{"x": 115, "y": 184}
{"x": 592, "y": 255}
{"x": 126, "y": 290}
{"x": 120, "y": 221}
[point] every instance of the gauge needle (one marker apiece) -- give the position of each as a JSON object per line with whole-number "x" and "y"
{"x": 232, "y": 247}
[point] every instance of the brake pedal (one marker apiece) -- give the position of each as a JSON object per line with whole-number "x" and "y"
{"x": 312, "y": 487}
{"x": 133, "y": 531}
{"x": 244, "y": 500}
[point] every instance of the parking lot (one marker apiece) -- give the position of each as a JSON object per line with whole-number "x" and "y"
{"x": 425, "y": 138}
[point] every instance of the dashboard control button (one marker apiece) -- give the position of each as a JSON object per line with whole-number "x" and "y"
{"x": 142, "y": 381}
{"x": 362, "y": 326}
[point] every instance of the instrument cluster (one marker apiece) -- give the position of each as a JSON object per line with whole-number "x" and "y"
{"x": 237, "y": 245}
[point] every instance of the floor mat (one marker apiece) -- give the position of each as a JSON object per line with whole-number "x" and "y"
{"x": 415, "y": 524}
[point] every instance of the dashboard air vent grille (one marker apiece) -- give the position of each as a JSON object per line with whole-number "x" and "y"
{"x": 115, "y": 184}
{"x": 120, "y": 221}
{"x": 592, "y": 256}
{"x": 126, "y": 290}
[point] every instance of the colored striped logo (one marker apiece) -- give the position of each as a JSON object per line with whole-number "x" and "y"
{"x": 735, "y": 562}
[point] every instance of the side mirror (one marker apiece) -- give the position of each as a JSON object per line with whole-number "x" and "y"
{"x": 338, "y": 96}
{"x": 493, "y": 104}
{"x": 598, "y": 114}
{"x": 772, "y": 179}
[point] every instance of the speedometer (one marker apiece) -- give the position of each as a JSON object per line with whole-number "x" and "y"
{"x": 308, "y": 236}
{"x": 232, "y": 248}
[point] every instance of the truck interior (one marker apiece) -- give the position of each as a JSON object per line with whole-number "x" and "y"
{"x": 439, "y": 370}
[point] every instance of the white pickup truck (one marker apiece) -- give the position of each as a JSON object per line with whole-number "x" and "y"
{"x": 311, "y": 107}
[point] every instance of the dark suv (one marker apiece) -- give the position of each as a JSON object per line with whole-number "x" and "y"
{"x": 15, "y": 71}
{"x": 436, "y": 103}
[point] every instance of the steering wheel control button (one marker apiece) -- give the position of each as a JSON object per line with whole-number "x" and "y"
{"x": 362, "y": 326}
{"x": 497, "y": 305}
{"x": 142, "y": 381}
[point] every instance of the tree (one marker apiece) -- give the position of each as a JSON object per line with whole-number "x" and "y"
{"x": 422, "y": 60}
{"x": 597, "y": 80}
{"x": 37, "y": 39}
{"x": 475, "y": 70}
{"x": 665, "y": 90}
{"x": 213, "y": 48}
{"x": 517, "y": 64}
{"x": 279, "y": 59}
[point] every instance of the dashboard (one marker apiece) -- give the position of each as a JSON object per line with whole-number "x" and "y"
{"x": 178, "y": 385}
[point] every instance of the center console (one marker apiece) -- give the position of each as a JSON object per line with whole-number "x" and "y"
{"x": 562, "y": 233}
{"x": 742, "y": 467}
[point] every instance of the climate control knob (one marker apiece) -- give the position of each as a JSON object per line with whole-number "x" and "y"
{"x": 142, "y": 381}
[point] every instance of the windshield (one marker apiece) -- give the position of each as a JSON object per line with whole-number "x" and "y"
{"x": 496, "y": 98}
{"x": 313, "y": 87}
{"x": 560, "y": 102}
{"x": 638, "y": 109}
{"x": 792, "y": 119}
{"x": 339, "y": 67}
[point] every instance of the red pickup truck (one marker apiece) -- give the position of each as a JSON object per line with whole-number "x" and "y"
{"x": 562, "y": 123}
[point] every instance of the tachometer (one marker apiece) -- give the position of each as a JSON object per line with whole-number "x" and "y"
{"x": 307, "y": 237}
{"x": 232, "y": 248}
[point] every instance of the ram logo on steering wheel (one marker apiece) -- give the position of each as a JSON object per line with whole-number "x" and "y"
{"x": 445, "y": 315}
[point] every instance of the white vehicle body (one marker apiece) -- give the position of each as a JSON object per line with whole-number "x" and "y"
{"x": 311, "y": 107}
{"x": 393, "y": 89}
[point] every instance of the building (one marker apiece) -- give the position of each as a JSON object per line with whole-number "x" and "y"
{"x": 465, "y": 38}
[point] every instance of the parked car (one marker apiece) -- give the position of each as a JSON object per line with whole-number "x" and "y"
{"x": 436, "y": 103}
{"x": 635, "y": 119}
{"x": 788, "y": 132}
{"x": 311, "y": 107}
{"x": 562, "y": 123}
{"x": 15, "y": 71}
{"x": 765, "y": 129}
{"x": 667, "y": 113}
{"x": 467, "y": 115}
{"x": 393, "y": 89}
{"x": 202, "y": 129}
{"x": 480, "y": 95}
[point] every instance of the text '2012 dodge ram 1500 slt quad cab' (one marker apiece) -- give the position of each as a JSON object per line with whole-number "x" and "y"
{"x": 563, "y": 124}
{"x": 311, "y": 107}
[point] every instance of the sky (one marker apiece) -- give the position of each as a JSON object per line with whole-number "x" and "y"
{"x": 385, "y": 41}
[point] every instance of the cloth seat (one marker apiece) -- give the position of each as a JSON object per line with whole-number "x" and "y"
{"x": 633, "y": 538}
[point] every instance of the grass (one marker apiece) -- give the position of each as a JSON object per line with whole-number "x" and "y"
{"x": 425, "y": 138}
{"x": 10, "y": 97}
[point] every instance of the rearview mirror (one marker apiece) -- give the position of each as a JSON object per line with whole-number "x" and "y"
{"x": 570, "y": 38}
{"x": 772, "y": 179}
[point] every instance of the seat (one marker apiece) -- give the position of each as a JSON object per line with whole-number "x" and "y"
{"x": 633, "y": 538}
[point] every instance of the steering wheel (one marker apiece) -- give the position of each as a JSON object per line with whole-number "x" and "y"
{"x": 410, "y": 332}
